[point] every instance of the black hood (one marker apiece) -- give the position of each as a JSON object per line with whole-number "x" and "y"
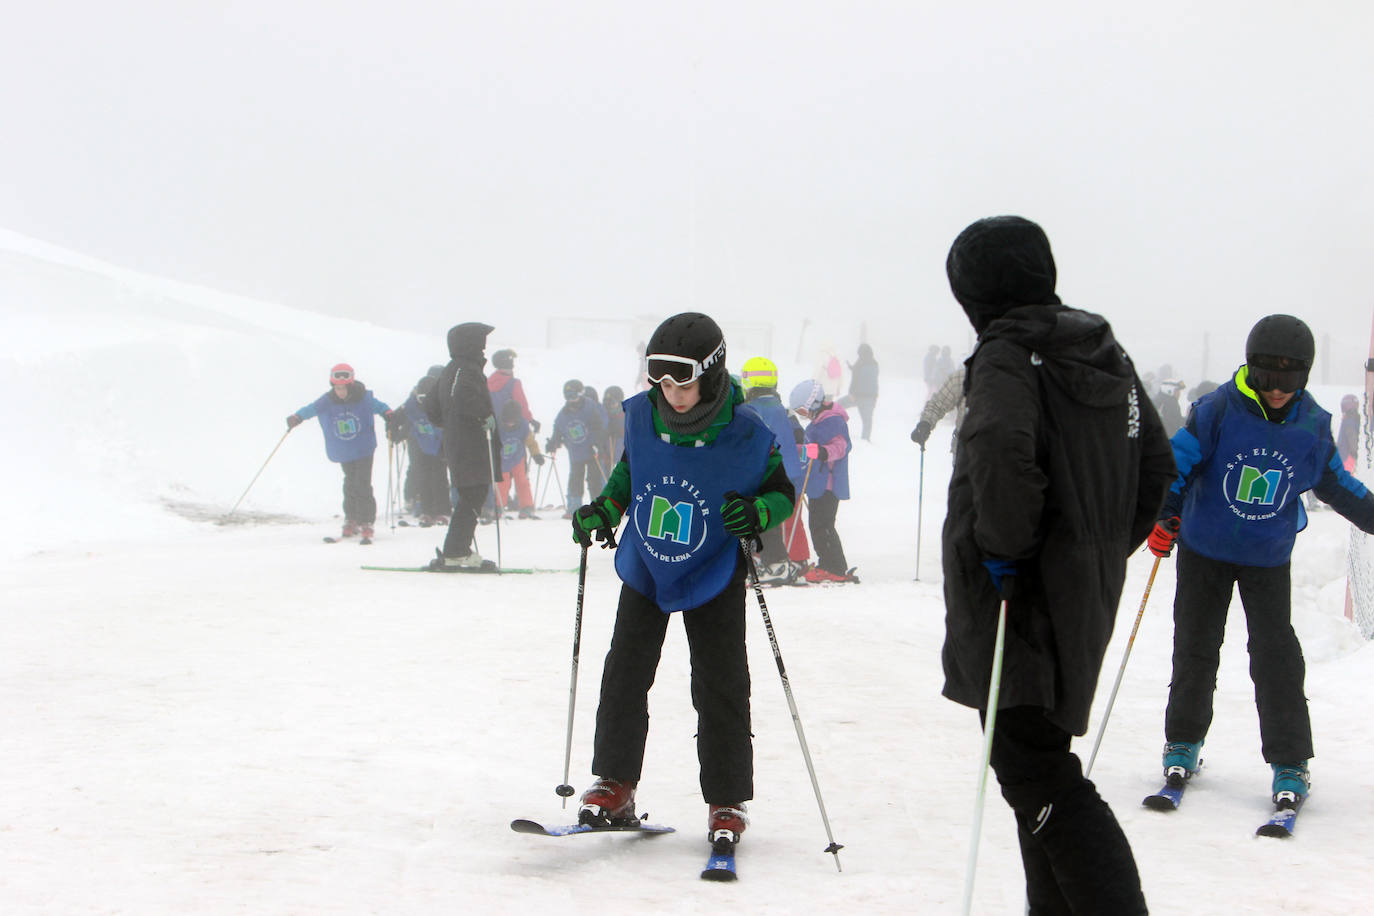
{"x": 999, "y": 263}
{"x": 1076, "y": 348}
{"x": 468, "y": 340}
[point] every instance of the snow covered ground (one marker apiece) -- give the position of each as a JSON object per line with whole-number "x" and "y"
{"x": 234, "y": 718}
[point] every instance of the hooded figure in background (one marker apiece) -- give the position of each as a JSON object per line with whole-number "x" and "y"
{"x": 1060, "y": 469}
{"x": 462, "y": 408}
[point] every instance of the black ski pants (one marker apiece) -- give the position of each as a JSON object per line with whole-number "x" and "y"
{"x": 829, "y": 551}
{"x": 720, "y": 690}
{"x": 463, "y": 522}
{"x": 1076, "y": 857}
{"x": 430, "y": 474}
{"x": 359, "y": 505}
{"x": 1201, "y": 600}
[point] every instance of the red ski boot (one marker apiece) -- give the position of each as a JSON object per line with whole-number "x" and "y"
{"x": 608, "y": 803}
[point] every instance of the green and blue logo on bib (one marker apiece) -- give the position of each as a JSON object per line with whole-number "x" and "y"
{"x": 347, "y": 425}
{"x": 669, "y": 514}
{"x": 1256, "y": 484}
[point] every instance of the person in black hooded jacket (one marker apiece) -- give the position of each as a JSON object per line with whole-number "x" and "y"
{"x": 1061, "y": 467}
{"x": 461, "y": 405}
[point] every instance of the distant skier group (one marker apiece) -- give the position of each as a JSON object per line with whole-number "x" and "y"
{"x": 1063, "y": 467}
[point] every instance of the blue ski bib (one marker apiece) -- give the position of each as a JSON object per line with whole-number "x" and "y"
{"x": 673, "y": 549}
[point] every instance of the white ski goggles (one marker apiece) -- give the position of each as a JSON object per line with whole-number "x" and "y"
{"x": 681, "y": 369}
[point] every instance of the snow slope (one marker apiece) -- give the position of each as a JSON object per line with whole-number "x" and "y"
{"x": 234, "y": 718}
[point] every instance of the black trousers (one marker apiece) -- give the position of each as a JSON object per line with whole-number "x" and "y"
{"x": 463, "y": 522}
{"x": 359, "y": 505}
{"x": 829, "y": 551}
{"x": 1201, "y": 600}
{"x": 720, "y": 690}
{"x": 1076, "y": 857}
{"x": 590, "y": 471}
{"x": 430, "y": 473}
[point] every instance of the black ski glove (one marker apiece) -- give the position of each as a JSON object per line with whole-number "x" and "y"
{"x": 921, "y": 433}
{"x": 599, "y": 517}
{"x": 743, "y": 517}
{"x": 293, "y": 421}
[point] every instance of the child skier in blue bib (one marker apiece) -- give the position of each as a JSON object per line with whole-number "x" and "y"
{"x": 699, "y": 471}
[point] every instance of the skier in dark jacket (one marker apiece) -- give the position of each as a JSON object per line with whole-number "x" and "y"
{"x": 863, "y": 388}
{"x": 1247, "y": 453}
{"x": 463, "y": 409}
{"x": 427, "y": 475}
{"x": 1059, "y": 473}
{"x": 345, "y": 413}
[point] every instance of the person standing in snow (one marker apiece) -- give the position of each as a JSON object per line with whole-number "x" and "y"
{"x": 1170, "y": 414}
{"x": 863, "y": 388}
{"x": 759, "y": 381}
{"x": 345, "y": 413}
{"x": 517, "y": 442}
{"x": 1348, "y": 436}
{"x": 579, "y": 427}
{"x": 462, "y": 408}
{"x": 427, "y": 476}
{"x": 698, "y": 474}
{"x": 506, "y": 388}
{"x": 949, "y": 397}
{"x": 1059, "y": 472}
{"x": 826, "y": 446}
{"x": 612, "y": 399}
{"x": 1247, "y": 453}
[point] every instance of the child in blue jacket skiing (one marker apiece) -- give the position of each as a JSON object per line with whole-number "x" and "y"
{"x": 759, "y": 379}
{"x": 826, "y": 448}
{"x": 1245, "y": 456}
{"x": 698, "y": 473}
{"x": 579, "y": 427}
{"x": 345, "y": 413}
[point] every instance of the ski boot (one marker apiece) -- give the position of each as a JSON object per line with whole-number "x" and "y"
{"x": 366, "y": 532}
{"x": 1291, "y": 782}
{"x": 725, "y": 824}
{"x": 609, "y": 803}
{"x": 1180, "y": 761}
{"x": 528, "y": 512}
{"x": 350, "y": 528}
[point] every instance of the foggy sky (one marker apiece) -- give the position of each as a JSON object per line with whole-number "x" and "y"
{"x": 416, "y": 164}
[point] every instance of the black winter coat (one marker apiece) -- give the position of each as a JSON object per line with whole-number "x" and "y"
{"x": 1061, "y": 467}
{"x": 462, "y": 405}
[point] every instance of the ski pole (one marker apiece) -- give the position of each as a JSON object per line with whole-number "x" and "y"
{"x": 792, "y": 535}
{"x": 390, "y": 456}
{"x": 920, "y": 508}
{"x": 257, "y": 475}
{"x": 565, "y": 790}
{"x": 1101, "y": 729}
{"x": 834, "y": 848}
{"x": 994, "y": 687}
{"x": 493, "y": 464}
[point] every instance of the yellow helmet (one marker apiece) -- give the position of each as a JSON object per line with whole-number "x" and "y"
{"x": 759, "y": 373}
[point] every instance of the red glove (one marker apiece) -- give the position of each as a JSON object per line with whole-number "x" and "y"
{"x": 813, "y": 450}
{"x": 1161, "y": 540}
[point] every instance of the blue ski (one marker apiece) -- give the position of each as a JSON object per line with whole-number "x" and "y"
{"x": 525, "y": 826}
{"x": 721, "y": 865}
{"x": 1167, "y": 798}
{"x": 1284, "y": 820}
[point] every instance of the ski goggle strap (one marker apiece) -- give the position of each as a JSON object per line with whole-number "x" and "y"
{"x": 681, "y": 369}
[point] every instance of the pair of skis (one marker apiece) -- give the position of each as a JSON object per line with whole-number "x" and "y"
{"x": 1280, "y": 824}
{"x": 719, "y": 867}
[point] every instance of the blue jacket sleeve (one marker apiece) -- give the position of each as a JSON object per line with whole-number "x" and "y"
{"x": 1188, "y": 457}
{"x": 1343, "y": 492}
{"x": 312, "y": 409}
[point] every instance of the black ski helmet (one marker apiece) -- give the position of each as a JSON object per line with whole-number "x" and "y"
{"x": 1282, "y": 336}
{"x": 572, "y": 390}
{"x": 613, "y": 394}
{"x": 695, "y": 337}
{"x": 503, "y": 359}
